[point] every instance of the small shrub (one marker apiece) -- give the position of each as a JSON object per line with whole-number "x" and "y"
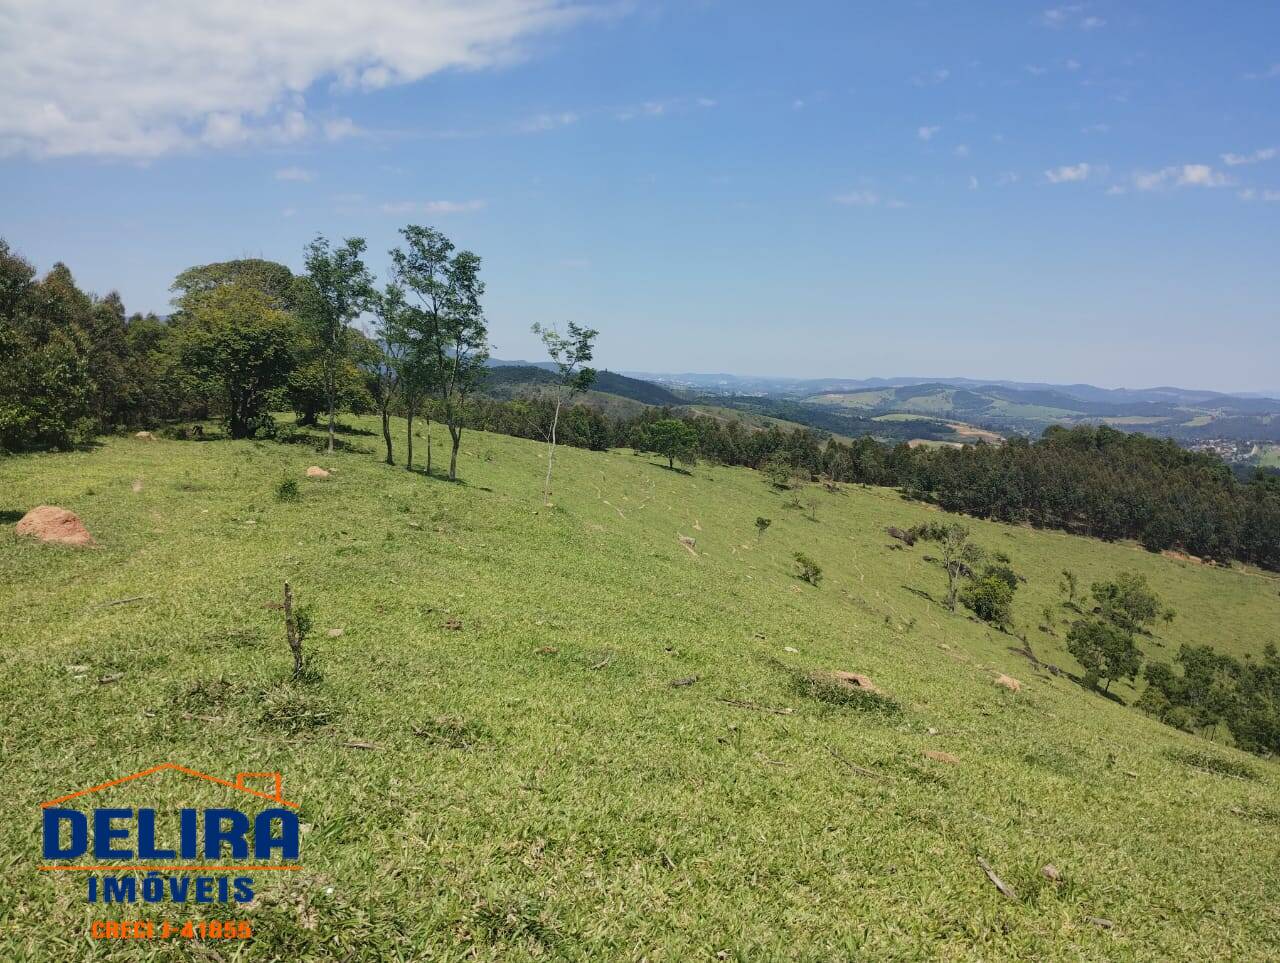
{"x": 807, "y": 570}
{"x": 827, "y": 689}
{"x": 452, "y": 733}
{"x": 1212, "y": 762}
{"x": 762, "y": 525}
{"x": 990, "y": 598}
{"x": 288, "y": 490}
{"x": 291, "y": 709}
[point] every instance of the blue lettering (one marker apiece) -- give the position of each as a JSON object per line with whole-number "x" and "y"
{"x": 104, "y": 833}
{"x": 215, "y": 835}
{"x": 263, "y": 840}
{"x": 79, "y": 826}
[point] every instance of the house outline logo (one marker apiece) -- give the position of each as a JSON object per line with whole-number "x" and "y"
{"x": 239, "y": 784}
{"x": 277, "y": 796}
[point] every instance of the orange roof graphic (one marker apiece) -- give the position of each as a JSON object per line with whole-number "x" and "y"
{"x": 239, "y": 783}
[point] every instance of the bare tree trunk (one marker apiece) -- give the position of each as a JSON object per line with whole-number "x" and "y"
{"x": 428, "y": 444}
{"x": 291, "y": 632}
{"x": 455, "y": 433}
{"x": 386, "y": 432}
{"x": 409, "y": 440}
{"x": 551, "y": 454}
{"x": 330, "y": 389}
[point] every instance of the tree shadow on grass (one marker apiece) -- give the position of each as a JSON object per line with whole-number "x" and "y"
{"x": 1080, "y": 681}
{"x": 675, "y": 469}
{"x": 10, "y": 515}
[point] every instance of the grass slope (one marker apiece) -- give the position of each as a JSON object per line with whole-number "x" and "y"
{"x": 539, "y": 789}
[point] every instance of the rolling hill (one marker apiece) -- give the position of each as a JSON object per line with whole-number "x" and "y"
{"x": 565, "y": 733}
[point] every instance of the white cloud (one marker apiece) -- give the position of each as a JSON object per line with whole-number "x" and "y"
{"x": 973, "y": 183}
{"x": 116, "y": 79}
{"x": 1068, "y": 173}
{"x": 1071, "y": 14}
{"x": 858, "y": 199}
{"x": 431, "y": 207}
{"x": 1263, "y": 154}
{"x": 1270, "y": 73}
{"x": 706, "y": 102}
{"x": 926, "y": 133}
{"x": 650, "y": 108}
{"x": 932, "y": 78}
{"x": 1252, "y": 194}
{"x": 542, "y": 122}
{"x": 865, "y": 198}
{"x": 1005, "y": 178}
{"x": 1184, "y": 175}
{"x": 295, "y": 174}
{"x": 961, "y": 150}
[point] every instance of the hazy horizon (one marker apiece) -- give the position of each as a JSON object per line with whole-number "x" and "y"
{"x": 1084, "y": 192}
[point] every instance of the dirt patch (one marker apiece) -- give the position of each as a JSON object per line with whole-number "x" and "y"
{"x": 856, "y": 681}
{"x": 1009, "y": 682}
{"x": 145, "y": 436}
{"x": 315, "y": 471}
{"x": 688, "y": 544}
{"x": 1182, "y": 556}
{"x": 49, "y": 523}
{"x": 937, "y": 755}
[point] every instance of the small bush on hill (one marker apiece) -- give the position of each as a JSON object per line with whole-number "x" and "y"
{"x": 807, "y": 570}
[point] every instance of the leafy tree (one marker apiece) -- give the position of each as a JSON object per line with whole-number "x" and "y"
{"x": 960, "y": 556}
{"x": 275, "y": 281}
{"x": 762, "y": 525}
{"x": 672, "y": 439}
{"x": 1105, "y": 651}
{"x": 240, "y": 346}
{"x": 569, "y": 352}
{"x": 1202, "y": 696}
{"x": 1070, "y": 587}
{"x": 336, "y": 290}
{"x": 448, "y": 289}
{"x": 990, "y": 598}
{"x": 1127, "y": 602}
{"x": 46, "y": 394}
{"x": 776, "y": 469}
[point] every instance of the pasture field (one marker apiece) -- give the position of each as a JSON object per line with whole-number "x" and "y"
{"x": 492, "y": 759}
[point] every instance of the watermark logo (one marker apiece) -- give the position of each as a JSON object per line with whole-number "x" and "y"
{"x": 184, "y": 853}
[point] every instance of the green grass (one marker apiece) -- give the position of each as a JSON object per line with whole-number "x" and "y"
{"x": 1270, "y": 457}
{"x": 539, "y": 789}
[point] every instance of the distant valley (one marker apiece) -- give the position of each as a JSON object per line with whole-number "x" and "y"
{"x": 1242, "y": 429}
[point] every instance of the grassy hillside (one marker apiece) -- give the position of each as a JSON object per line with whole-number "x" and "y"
{"x": 538, "y": 788}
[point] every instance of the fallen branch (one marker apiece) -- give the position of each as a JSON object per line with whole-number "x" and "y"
{"x": 759, "y": 708}
{"x": 1005, "y": 889}
{"x": 132, "y": 598}
{"x": 860, "y": 770}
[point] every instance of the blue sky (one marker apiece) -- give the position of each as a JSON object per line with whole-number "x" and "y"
{"x": 1079, "y": 192}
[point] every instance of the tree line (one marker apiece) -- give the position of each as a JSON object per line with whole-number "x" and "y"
{"x": 248, "y": 338}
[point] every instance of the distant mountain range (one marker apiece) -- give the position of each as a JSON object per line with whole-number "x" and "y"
{"x": 719, "y": 383}
{"x": 1242, "y": 428}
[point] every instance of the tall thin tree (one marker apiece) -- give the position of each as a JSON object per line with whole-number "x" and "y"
{"x": 448, "y": 290}
{"x": 569, "y": 352}
{"x": 337, "y": 290}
